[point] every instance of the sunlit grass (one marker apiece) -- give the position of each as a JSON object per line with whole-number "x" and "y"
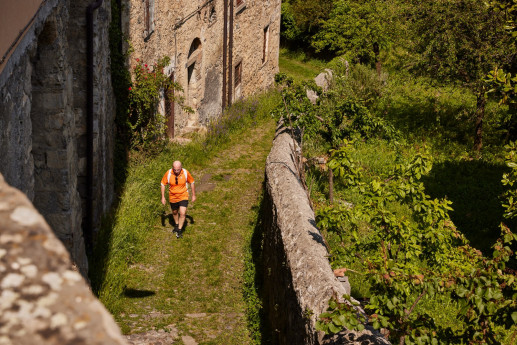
{"x": 298, "y": 66}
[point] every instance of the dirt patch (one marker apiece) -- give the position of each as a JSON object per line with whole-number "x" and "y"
{"x": 160, "y": 337}
{"x": 204, "y": 184}
{"x": 208, "y": 182}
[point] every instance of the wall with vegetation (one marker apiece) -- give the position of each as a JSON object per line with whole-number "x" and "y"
{"x": 298, "y": 279}
{"x": 191, "y": 33}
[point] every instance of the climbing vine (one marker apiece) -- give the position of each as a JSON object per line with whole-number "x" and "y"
{"x": 150, "y": 85}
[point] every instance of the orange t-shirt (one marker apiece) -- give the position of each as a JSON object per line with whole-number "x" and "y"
{"x": 177, "y": 191}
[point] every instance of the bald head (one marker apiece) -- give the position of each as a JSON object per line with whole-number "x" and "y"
{"x": 176, "y": 167}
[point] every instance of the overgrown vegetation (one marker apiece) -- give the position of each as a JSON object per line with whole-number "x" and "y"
{"x": 384, "y": 224}
{"x": 150, "y": 84}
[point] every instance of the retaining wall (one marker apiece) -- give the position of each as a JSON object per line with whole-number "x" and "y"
{"x": 298, "y": 279}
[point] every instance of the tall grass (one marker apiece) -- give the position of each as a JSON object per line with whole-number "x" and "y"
{"x": 298, "y": 65}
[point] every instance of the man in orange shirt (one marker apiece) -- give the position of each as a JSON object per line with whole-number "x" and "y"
{"x": 177, "y": 179}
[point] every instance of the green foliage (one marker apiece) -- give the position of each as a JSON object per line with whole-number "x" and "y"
{"x": 509, "y": 179}
{"x": 458, "y": 40}
{"x": 149, "y": 85}
{"x": 357, "y": 30}
{"x": 308, "y": 16}
{"x": 288, "y": 27}
{"x": 339, "y": 315}
{"x": 411, "y": 259}
{"x": 332, "y": 119}
{"x": 502, "y": 84}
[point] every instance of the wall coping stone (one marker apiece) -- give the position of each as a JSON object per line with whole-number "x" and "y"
{"x": 43, "y": 300}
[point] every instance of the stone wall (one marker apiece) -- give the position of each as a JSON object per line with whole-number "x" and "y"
{"x": 298, "y": 279}
{"x": 43, "y": 300}
{"x": 181, "y": 25}
{"x": 43, "y": 119}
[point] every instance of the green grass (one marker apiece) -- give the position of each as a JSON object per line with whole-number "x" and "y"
{"x": 197, "y": 285}
{"x": 298, "y": 66}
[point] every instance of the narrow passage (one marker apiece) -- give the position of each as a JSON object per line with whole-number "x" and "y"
{"x": 189, "y": 290}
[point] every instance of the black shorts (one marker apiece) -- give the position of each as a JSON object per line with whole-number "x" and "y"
{"x": 176, "y": 205}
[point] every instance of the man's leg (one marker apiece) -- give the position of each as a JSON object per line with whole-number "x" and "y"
{"x": 182, "y": 214}
{"x": 175, "y": 216}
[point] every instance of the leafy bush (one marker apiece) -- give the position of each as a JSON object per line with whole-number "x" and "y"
{"x": 412, "y": 258}
{"x": 149, "y": 86}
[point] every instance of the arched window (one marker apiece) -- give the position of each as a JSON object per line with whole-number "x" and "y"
{"x": 194, "y": 60}
{"x": 194, "y": 75}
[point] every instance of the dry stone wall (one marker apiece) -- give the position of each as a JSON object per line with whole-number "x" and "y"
{"x": 43, "y": 119}
{"x": 298, "y": 279}
{"x": 43, "y": 299}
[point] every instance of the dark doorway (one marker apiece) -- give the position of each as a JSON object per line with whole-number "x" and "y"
{"x": 169, "y": 108}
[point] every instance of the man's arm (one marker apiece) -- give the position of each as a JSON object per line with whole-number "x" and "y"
{"x": 163, "y": 194}
{"x": 193, "y": 191}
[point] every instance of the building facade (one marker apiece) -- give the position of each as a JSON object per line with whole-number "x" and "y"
{"x": 220, "y": 51}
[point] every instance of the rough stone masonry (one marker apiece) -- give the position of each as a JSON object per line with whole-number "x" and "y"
{"x": 191, "y": 33}
{"x": 43, "y": 300}
{"x": 43, "y": 118}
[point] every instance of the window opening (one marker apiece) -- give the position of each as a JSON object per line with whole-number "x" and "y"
{"x": 148, "y": 17}
{"x": 265, "y": 44}
{"x": 238, "y": 74}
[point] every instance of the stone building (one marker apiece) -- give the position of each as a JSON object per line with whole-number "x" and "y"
{"x": 220, "y": 50}
{"x": 56, "y": 133}
{"x": 57, "y": 103}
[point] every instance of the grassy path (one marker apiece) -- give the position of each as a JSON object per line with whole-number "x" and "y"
{"x": 189, "y": 291}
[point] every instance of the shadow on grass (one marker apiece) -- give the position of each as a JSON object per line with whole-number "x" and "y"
{"x": 253, "y": 288}
{"x": 475, "y": 189}
{"x": 169, "y": 219}
{"x": 98, "y": 258}
{"x": 134, "y": 293}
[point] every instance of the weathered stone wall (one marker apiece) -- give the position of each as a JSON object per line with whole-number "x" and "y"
{"x": 43, "y": 119}
{"x": 298, "y": 279}
{"x": 43, "y": 300}
{"x": 178, "y": 24}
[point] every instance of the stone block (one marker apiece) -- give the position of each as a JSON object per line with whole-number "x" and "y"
{"x": 48, "y": 100}
{"x": 83, "y": 319}
{"x": 57, "y": 159}
{"x": 61, "y": 224}
{"x": 46, "y": 202}
{"x": 81, "y": 168}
